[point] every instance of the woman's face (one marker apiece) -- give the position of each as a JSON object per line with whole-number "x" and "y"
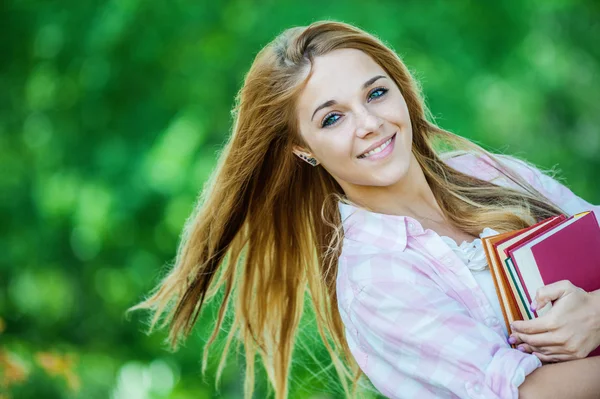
{"x": 355, "y": 120}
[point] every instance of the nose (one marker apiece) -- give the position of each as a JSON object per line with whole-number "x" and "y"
{"x": 367, "y": 122}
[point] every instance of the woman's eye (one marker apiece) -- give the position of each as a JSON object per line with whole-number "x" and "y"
{"x": 375, "y": 94}
{"x": 330, "y": 120}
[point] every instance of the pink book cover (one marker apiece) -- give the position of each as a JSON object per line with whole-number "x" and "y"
{"x": 557, "y": 220}
{"x": 545, "y": 224}
{"x": 509, "y": 251}
{"x": 573, "y": 254}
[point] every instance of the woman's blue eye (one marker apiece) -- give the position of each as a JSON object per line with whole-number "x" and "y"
{"x": 373, "y": 95}
{"x": 330, "y": 120}
{"x": 377, "y": 93}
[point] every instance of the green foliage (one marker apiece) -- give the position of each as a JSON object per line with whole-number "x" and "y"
{"x": 111, "y": 116}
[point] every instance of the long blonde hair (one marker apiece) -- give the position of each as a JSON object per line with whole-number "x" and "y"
{"x": 266, "y": 230}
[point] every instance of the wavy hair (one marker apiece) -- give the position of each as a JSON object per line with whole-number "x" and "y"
{"x": 265, "y": 231}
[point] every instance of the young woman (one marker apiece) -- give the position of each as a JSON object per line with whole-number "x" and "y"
{"x": 334, "y": 182}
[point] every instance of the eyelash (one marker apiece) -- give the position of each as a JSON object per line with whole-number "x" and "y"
{"x": 328, "y": 116}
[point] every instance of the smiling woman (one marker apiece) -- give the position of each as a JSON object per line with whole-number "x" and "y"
{"x": 333, "y": 182}
{"x": 363, "y": 135}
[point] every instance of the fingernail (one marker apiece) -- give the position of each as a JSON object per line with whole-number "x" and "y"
{"x": 533, "y": 306}
{"x": 512, "y": 340}
{"x": 521, "y": 348}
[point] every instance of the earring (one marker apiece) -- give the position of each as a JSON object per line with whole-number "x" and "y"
{"x": 310, "y": 160}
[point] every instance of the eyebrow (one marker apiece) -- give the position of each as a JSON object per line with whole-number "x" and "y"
{"x": 333, "y": 102}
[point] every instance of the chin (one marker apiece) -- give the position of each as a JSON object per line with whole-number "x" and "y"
{"x": 386, "y": 180}
{"x": 391, "y": 174}
{"x": 382, "y": 176}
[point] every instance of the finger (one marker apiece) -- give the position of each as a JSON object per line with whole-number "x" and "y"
{"x": 534, "y": 326}
{"x": 552, "y": 292}
{"x": 554, "y": 358}
{"x": 515, "y": 339}
{"x": 525, "y": 348}
{"x": 549, "y": 350}
{"x": 541, "y": 339}
{"x": 544, "y": 350}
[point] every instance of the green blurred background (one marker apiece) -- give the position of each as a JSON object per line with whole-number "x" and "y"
{"x": 111, "y": 116}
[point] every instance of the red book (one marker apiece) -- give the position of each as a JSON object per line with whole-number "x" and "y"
{"x": 569, "y": 251}
{"x": 503, "y": 246}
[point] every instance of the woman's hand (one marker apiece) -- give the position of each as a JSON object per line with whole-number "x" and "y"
{"x": 570, "y": 330}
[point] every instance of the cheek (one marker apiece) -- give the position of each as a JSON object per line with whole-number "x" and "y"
{"x": 396, "y": 112}
{"x": 335, "y": 154}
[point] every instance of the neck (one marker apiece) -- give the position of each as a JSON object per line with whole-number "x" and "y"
{"x": 410, "y": 196}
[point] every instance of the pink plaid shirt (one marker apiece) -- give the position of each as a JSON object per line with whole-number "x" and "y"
{"x": 416, "y": 320}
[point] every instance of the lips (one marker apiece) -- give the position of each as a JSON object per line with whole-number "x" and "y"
{"x": 376, "y": 145}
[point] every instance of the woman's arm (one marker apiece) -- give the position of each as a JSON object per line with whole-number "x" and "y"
{"x": 575, "y": 379}
{"x": 413, "y": 340}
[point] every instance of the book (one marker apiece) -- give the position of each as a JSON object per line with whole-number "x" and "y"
{"x": 508, "y": 302}
{"x": 502, "y": 248}
{"x": 552, "y": 256}
{"x": 555, "y": 249}
{"x": 508, "y": 297}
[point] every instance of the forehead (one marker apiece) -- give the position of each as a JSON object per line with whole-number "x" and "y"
{"x": 337, "y": 75}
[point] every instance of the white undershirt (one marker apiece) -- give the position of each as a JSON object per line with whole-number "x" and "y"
{"x": 473, "y": 255}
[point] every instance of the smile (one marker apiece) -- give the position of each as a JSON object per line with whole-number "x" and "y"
{"x": 383, "y": 149}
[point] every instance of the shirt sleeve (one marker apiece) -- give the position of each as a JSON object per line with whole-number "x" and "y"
{"x": 551, "y": 188}
{"x": 414, "y": 341}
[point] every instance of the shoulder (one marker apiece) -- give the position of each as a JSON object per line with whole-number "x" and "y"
{"x": 473, "y": 163}
{"x": 507, "y": 171}
{"x": 497, "y": 168}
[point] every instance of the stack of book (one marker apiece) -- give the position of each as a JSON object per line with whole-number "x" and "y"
{"x": 558, "y": 248}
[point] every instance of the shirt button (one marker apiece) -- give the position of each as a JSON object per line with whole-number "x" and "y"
{"x": 469, "y": 387}
{"x": 492, "y": 321}
{"x": 473, "y": 390}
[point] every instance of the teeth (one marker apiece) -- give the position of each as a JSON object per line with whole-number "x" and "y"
{"x": 378, "y": 149}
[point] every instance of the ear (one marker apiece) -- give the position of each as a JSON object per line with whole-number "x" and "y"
{"x": 298, "y": 151}
{"x": 305, "y": 155}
